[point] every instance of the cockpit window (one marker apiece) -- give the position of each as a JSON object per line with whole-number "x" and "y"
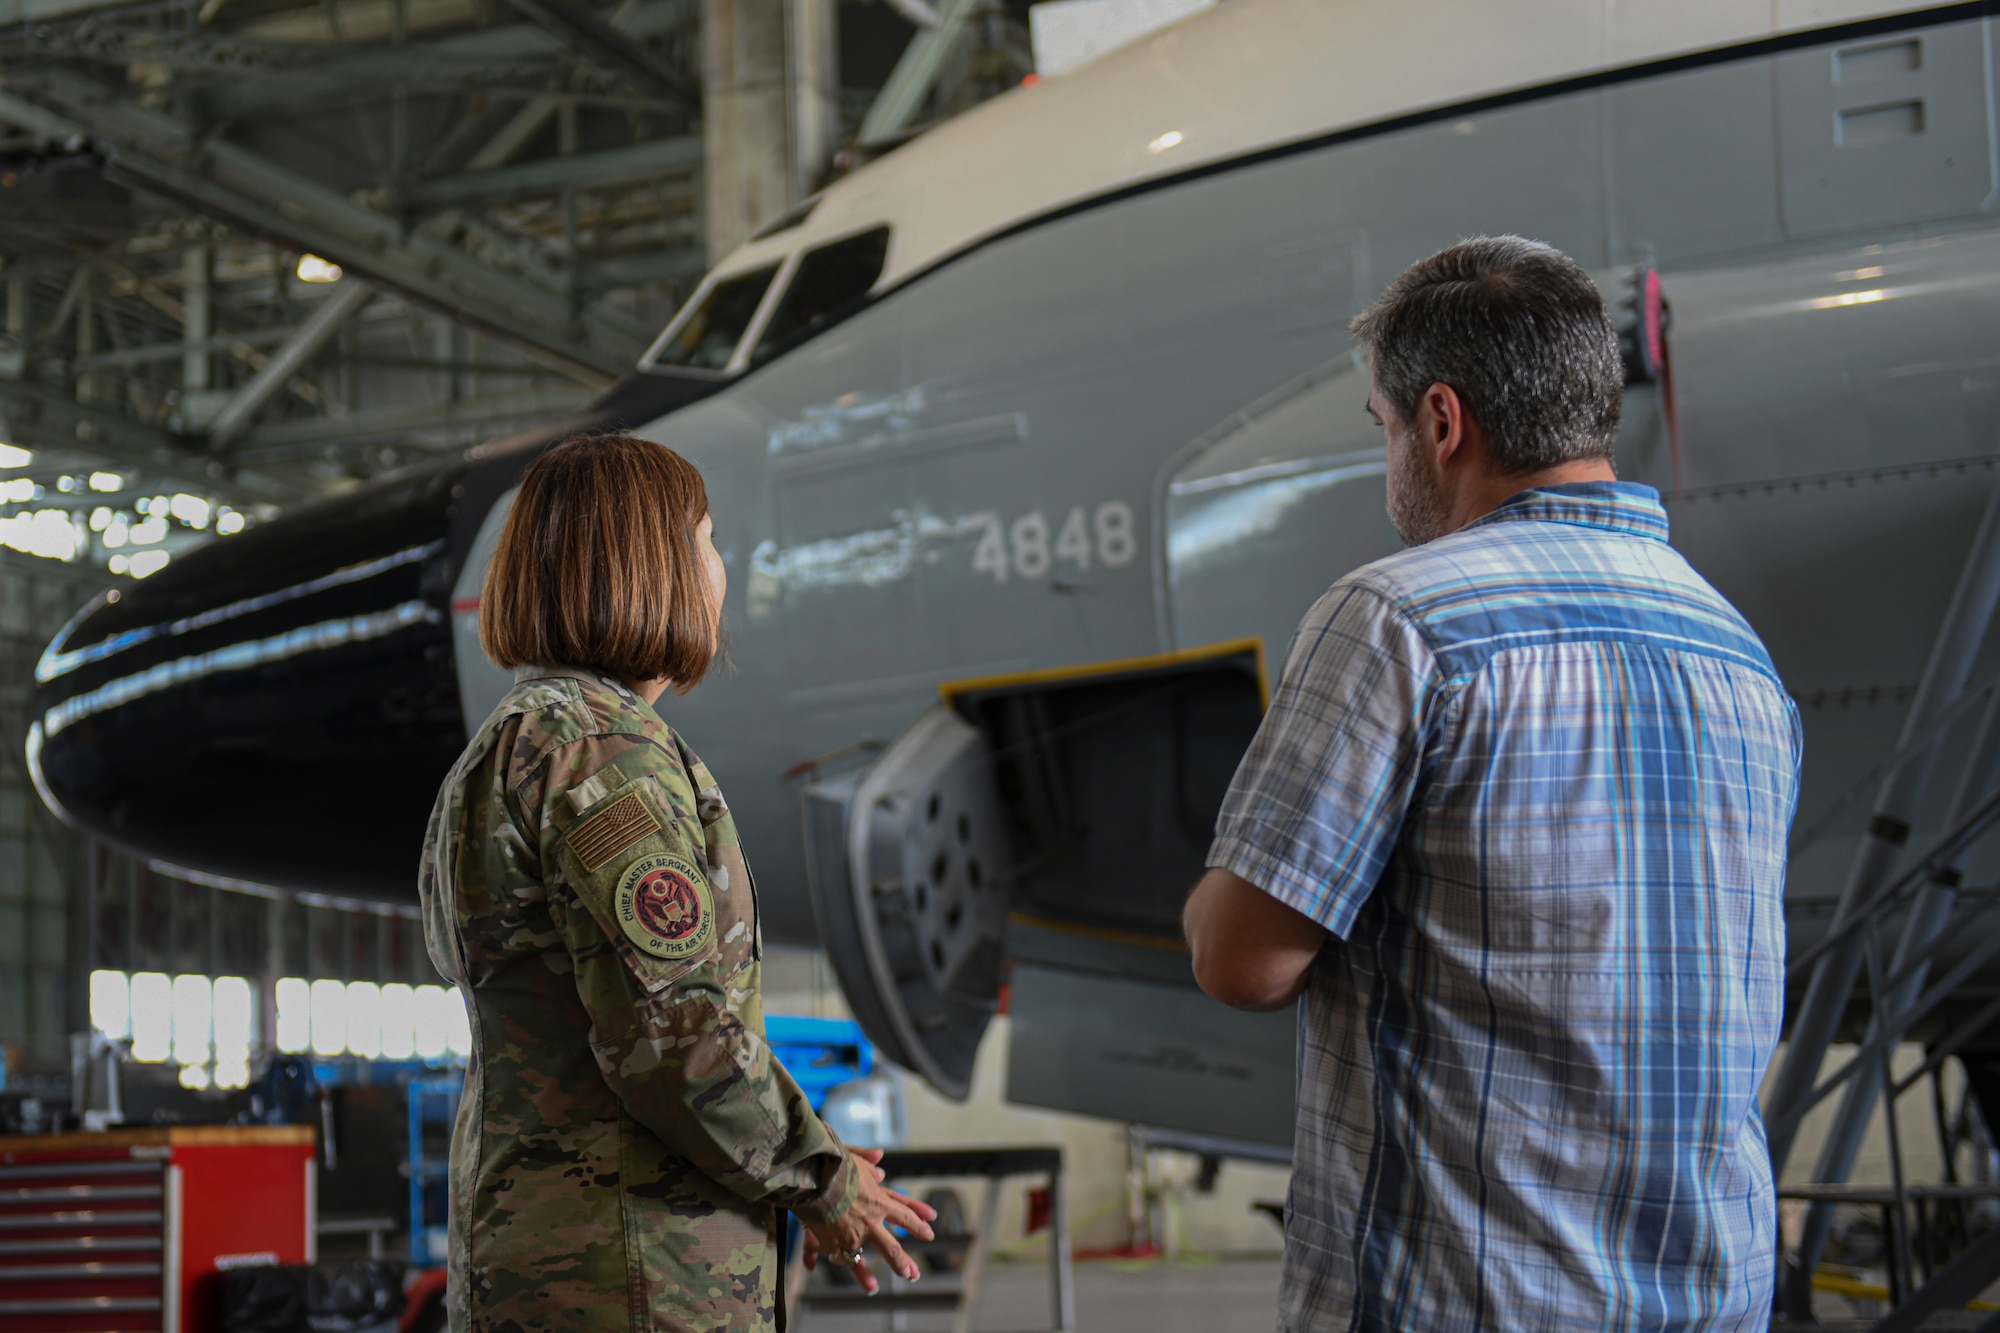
{"x": 830, "y": 281}
{"x": 708, "y": 336}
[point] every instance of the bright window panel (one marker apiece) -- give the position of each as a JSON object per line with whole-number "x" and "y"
{"x": 192, "y": 1004}
{"x": 111, "y": 1004}
{"x": 235, "y": 1021}
{"x": 433, "y": 1025}
{"x": 364, "y": 1019}
{"x": 399, "y": 1021}
{"x": 152, "y": 1016}
{"x": 329, "y": 1018}
{"x": 294, "y": 998}
{"x": 458, "y": 1024}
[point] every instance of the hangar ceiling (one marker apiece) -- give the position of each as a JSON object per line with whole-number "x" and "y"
{"x": 257, "y": 251}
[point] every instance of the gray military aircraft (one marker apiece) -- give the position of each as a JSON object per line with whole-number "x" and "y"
{"x": 1029, "y": 444}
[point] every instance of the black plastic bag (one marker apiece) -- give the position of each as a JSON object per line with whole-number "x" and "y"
{"x": 347, "y": 1296}
{"x": 356, "y": 1294}
{"x": 271, "y": 1299}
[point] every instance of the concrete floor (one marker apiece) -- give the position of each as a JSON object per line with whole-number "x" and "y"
{"x": 1226, "y": 1296}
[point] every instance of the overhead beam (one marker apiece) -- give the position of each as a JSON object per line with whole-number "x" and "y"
{"x": 315, "y": 432}
{"x": 49, "y": 417}
{"x": 147, "y": 289}
{"x": 591, "y": 36}
{"x": 656, "y": 266}
{"x": 361, "y": 20}
{"x": 306, "y": 340}
{"x": 44, "y": 212}
{"x": 612, "y": 166}
{"x": 910, "y": 81}
{"x": 166, "y": 155}
{"x": 147, "y": 353}
{"x": 486, "y": 58}
{"x": 65, "y": 307}
{"x": 515, "y": 135}
{"x": 41, "y": 11}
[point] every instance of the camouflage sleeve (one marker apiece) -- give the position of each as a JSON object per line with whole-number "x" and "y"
{"x": 663, "y": 945}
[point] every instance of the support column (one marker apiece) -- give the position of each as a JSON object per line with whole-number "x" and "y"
{"x": 1929, "y": 914}
{"x": 197, "y": 320}
{"x": 1967, "y": 618}
{"x": 276, "y": 910}
{"x": 812, "y": 40}
{"x": 744, "y": 119}
{"x": 769, "y": 114}
{"x": 20, "y": 322}
{"x": 86, "y": 330}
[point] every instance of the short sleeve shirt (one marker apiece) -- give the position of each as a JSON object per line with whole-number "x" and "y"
{"x": 1535, "y": 778}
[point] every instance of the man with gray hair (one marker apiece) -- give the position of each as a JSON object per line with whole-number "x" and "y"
{"x": 1513, "y": 831}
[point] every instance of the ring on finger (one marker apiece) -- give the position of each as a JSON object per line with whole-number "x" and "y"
{"x": 857, "y": 1257}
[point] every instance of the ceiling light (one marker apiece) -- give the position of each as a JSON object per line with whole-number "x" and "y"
{"x": 229, "y": 523}
{"x": 15, "y": 456}
{"x": 314, "y": 269}
{"x": 47, "y": 532}
{"x": 189, "y": 509}
{"x": 106, "y": 481}
{"x": 1170, "y": 139}
{"x": 148, "y": 562}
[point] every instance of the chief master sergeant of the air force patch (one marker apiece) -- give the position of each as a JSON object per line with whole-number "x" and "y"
{"x": 664, "y": 907}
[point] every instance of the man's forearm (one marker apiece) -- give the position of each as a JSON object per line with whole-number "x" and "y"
{"x": 1249, "y": 950}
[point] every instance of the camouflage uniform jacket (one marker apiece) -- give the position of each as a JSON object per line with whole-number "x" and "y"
{"x": 626, "y": 1138}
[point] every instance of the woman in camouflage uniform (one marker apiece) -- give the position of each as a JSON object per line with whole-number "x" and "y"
{"x": 626, "y": 1140}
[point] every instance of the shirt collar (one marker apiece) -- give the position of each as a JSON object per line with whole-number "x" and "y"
{"x": 597, "y": 678}
{"x": 1615, "y": 506}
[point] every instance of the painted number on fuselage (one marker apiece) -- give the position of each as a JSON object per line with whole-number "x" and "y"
{"x": 1028, "y": 549}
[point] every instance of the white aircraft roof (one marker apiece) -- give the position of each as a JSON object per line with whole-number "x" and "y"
{"x": 1245, "y": 76}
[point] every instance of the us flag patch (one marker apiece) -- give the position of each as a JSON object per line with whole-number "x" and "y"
{"x": 611, "y": 830}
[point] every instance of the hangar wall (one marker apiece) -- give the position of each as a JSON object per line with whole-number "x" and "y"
{"x": 41, "y": 862}
{"x": 69, "y": 906}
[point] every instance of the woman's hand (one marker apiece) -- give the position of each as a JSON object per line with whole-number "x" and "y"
{"x": 876, "y": 1208}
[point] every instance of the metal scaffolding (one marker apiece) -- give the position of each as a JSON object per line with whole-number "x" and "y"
{"x": 1933, "y": 1257}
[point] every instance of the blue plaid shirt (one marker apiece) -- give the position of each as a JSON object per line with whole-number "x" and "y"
{"x": 1535, "y": 778}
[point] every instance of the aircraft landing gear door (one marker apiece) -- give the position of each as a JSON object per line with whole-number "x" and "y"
{"x": 906, "y": 863}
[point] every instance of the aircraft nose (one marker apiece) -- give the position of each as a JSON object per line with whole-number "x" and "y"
{"x": 275, "y": 708}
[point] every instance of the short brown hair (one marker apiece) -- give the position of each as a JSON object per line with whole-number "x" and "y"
{"x": 599, "y": 565}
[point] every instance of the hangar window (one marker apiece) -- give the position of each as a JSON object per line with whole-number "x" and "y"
{"x": 707, "y": 337}
{"x": 830, "y": 282}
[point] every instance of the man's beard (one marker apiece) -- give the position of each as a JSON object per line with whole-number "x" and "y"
{"x": 1416, "y": 500}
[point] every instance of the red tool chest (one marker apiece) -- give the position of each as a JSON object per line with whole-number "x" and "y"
{"x": 124, "y": 1231}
